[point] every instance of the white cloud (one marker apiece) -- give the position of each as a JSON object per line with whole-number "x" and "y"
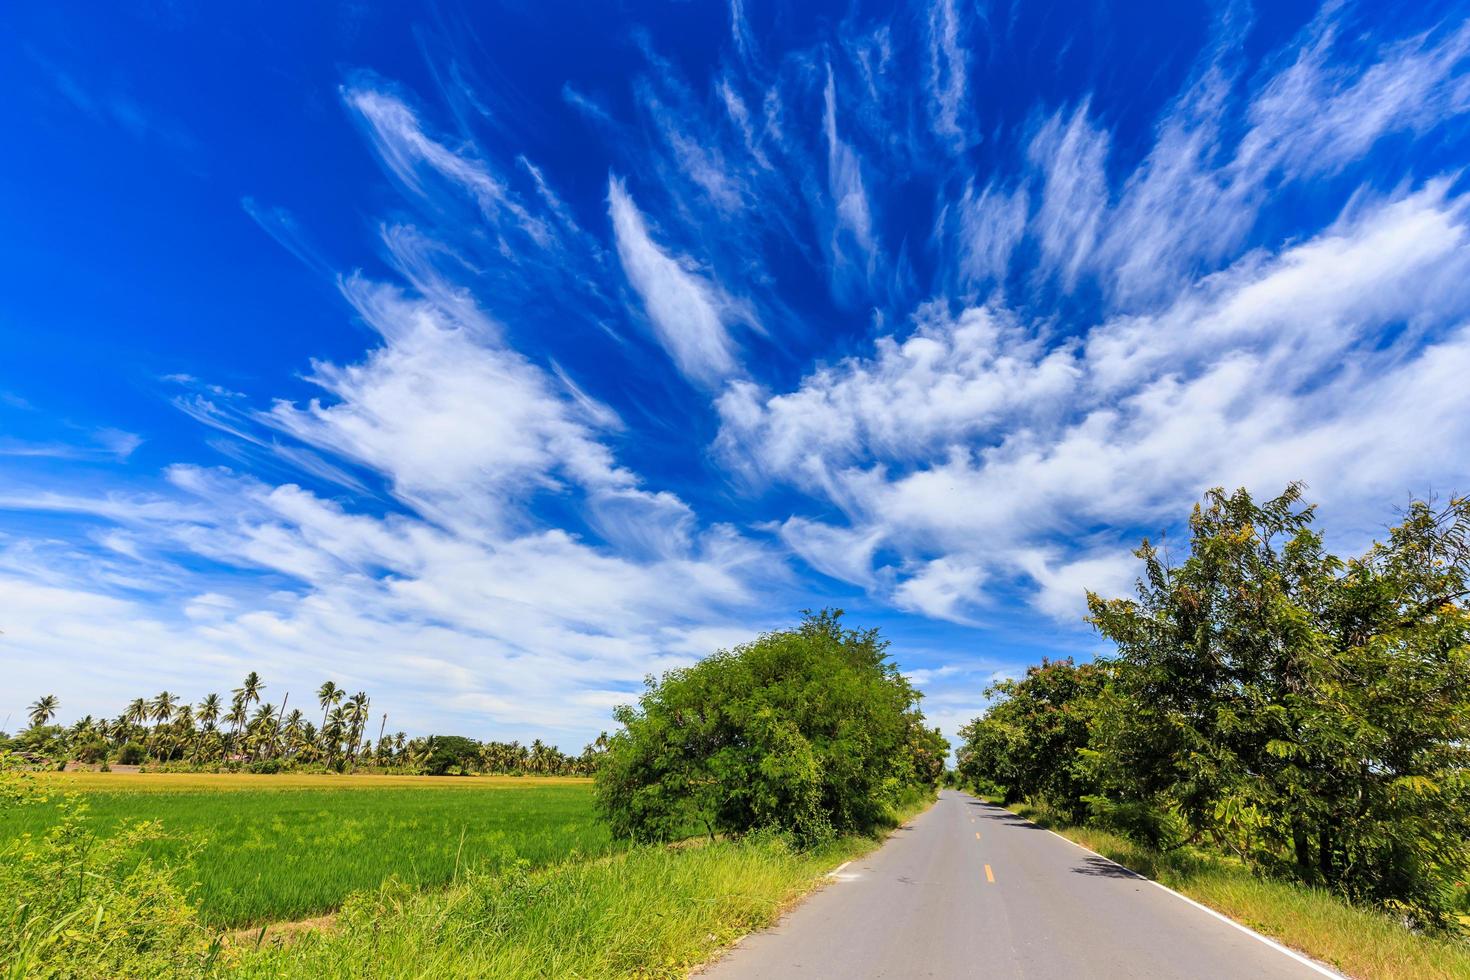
{"x": 1062, "y": 584}
{"x": 464, "y": 430}
{"x": 854, "y": 214}
{"x": 405, "y": 147}
{"x": 687, "y": 312}
{"x": 946, "y": 72}
{"x": 950, "y": 381}
{"x": 841, "y": 552}
{"x": 1196, "y": 196}
{"x": 416, "y": 614}
{"x": 975, "y": 448}
{"x": 106, "y": 444}
{"x": 941, "y": 588}
{"x": 989, "y": 226}
{"x": 1070, "y": 154}
{"x": 1313, "y": 118}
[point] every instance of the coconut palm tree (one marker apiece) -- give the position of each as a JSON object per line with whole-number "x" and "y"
{"x": 208, "y": 710}
{"x": 291, "y": 730}
{"x": 307, "y": 744}
{"x": 137, "y": 712}
{"x": 328, "y": 695}
{"x": 262, "y": 729}
{"x": 249, "y": 689}
{"x": 208, "y": 716}
{"x": 237, "y": 718}
{"x": 43, "y": 710}
{"x": 357, "y": 719}
{"x": 162, "y": 707}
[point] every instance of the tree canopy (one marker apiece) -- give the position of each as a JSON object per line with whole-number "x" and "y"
{"x": 1308, "y": 713}
{"x": 810, "y": 730}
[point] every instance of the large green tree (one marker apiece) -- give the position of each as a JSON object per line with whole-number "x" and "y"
{"x": 1030, "y": 743}
{"x": 808, "y": 730}
{"x": 1307, "y": 713}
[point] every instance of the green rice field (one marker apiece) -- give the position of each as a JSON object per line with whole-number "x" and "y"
{"x": 271, "y": 848}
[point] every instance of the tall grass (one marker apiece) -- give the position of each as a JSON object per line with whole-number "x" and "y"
{"x": 269, "y": 848}
{"x": 1360, "y": 942}
{"x": 648, "y": 912}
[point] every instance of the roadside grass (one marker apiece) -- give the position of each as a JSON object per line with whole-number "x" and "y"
{"x": 647, "y": 912}
{"x": 259, "y": 849}
{"x": 1362, "y": 943}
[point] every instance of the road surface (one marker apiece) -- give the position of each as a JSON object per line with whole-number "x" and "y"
{"x": 968, "y": 889}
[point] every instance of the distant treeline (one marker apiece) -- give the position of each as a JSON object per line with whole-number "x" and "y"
{"x": 1306, "y": 713}
{"x": 253, "y": 735}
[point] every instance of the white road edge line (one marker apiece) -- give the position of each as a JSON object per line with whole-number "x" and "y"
{"x": 838, "y": 870}
{"x": 1306, "y": 961}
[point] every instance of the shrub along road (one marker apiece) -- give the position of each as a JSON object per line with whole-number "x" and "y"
{"x": 971, "y": 889}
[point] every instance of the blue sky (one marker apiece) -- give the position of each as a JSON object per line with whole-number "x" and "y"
{"x": 490, "y": 358}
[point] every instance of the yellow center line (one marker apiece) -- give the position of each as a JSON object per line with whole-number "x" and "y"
{"x": 989, "y": 875}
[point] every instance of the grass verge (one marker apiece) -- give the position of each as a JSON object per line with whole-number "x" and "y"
{"x": 1362, "y": 943}
{"x": 647, "y": 912}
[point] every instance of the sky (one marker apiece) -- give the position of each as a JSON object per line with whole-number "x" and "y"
{"x": 491, "y": 358}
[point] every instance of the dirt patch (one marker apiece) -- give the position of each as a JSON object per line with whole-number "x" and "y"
{"x": 280, "y": 933}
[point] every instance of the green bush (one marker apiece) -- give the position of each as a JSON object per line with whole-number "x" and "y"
{"x": 810, "y": 731}
{"x": 73, "y": 905}
{"x": 91, "y": 751}
{"x": 131, "y": 754}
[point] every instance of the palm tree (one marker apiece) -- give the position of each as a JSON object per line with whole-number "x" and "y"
{"x": 162, "y": 707}
{"x": 292, "y": 729}
{"x": 306, "y": 740}
{"x": 183, "y": 723}
{"x": 328, "y": 695}
{"x": 236, "y": 718}
{"x": 249, "y": 690}
{"x": 261, "y": 729}
{"x": 137, "y": 711}
{"x": 44, "y": 710}
{"x": 332, "y": 729}
{"x": 209, "y": 710}
{"x": 208, "y": 716}
{"x": 276, "y": 726}
{"x": 357, "y": 718}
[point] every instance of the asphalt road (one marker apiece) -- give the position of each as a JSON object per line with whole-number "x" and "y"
{"x": 971, "y": 890}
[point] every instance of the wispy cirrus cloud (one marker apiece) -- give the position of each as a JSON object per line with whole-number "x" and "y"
{"x": 687, "y": 312}
{"x": 104, "y": 444}
{"x": 947, "y": 73}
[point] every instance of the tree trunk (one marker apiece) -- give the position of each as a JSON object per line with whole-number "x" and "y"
{"x": 1303, "y": 845}
{"x": 1325, "y": 853}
